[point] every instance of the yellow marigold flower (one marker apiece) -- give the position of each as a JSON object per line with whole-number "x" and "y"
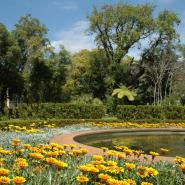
{"x": 130, "y": 166}
{"x": 98, "y": 157}
{"x": 22, "y": 164}
{"x": 5, "y": 152}
{"x": 53, "y": 154}
{"x": 53, "y": 144}
{"x": 111, "y": 163}
{"x": 104, "y": 177}
{"x": 27, "y": 146}
{"x": 89, "y": 168}
{"x": 72, "y": 146}
{"x": 84, "y": 151}
{"x": 138, "y": 153}
{"x": 51, "y": 160}
{"x": 128, "y": 152}
{"x": 142, "y": 171}
{"x": 82, "y": 179}
{"x": 142, "y": 174}
{"x": 111, "y": 153}
{"x": 60, "y": 164}
{"x": 101, "y": 167}
{"x": 115, "y": 169}
{"x": 130, "y": 181}
{"x": 76, "y": 152}
{"x": 146, "y": 183}
{"x": 152, "y": 172}
{"x": 65, "y": 146}
{"x": 97, "y": 162}
{"x": 179, "y": 160}
{"x": 16, "y": 140}
{"x": 19, "y": 180}
{"x": 36, "y": 155}
{"x": 4, "y": 180}
{"x": 121, "y": 156}
{"x": 112, "y": 181}
{"x": 4, "y": 171}
{"x": 154, "y": 154}
{"x": 61, "y": 152}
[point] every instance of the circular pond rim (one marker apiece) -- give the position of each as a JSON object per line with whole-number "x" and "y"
{"x": 70, "y": 138}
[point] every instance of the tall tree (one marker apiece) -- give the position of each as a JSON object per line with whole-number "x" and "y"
{"x": 118, "y": 28}
{"x": 160, "y": 59}
{"x": 30, "y": 35}
{"x": 9, "y": 57}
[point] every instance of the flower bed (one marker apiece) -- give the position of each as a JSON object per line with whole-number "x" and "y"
{"x": 55, "y": 164}
{"x": 27, "y": 158}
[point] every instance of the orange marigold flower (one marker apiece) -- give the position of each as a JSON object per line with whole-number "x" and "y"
{"x": 51, "y": 160}
{"x": 4, "y": 180}
{"x": 4, "y": 171}
{"x": 36, "y": 155}
{"x": 82, "y": 179}
{"x": 103, "y": 177}
{"x": 130, "y": 166}
{"x": 19, "y": 180}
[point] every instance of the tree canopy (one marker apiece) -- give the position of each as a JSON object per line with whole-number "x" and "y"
{"x": 34, "y": 72}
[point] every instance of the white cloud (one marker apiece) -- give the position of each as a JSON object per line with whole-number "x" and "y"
{"x": 75, "y": 39}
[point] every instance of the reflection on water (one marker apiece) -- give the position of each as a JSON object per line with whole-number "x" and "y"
{"x": 146, "y": 141}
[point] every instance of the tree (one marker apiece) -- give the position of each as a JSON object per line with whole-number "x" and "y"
{"x": 60, "y": 63}
{"x": 117, "y": 28}
{"x": 9, "y": 57}
{"x": 40, "y": 89}
{"x": 160, "y": 59}
{"x": 30, "y": 35}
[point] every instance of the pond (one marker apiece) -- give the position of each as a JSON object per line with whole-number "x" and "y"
{"x": 146, "y": 141}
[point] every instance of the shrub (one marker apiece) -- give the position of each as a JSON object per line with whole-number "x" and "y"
{"x": 59, "y": 111}
{"x": 142, "y": 112}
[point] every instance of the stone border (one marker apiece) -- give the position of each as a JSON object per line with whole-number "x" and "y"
{"x": 69, "y": 138}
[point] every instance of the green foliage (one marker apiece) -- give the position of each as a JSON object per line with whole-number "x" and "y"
{"x": 149, "y": 112}
{"x": 118, "y": 27}
{"x": 124, "y": 92}
{"x": 60, "y": 111}
{"x": 34, "y": 72}
{"x": 86, "y": 99}
{"x": 9, "y": 58}
{"x": 30, "y": 35}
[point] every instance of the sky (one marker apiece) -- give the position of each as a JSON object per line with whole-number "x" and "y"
{"x": 67, "y": 22}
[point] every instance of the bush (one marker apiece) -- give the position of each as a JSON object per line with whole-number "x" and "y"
{"x": 59, "y": 111}
{"x": 142, "y": 112}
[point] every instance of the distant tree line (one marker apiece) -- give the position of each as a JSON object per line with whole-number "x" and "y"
{"x": 33, "y": 72}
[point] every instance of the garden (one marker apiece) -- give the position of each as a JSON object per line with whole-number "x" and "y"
{"x": 119, "y": 100}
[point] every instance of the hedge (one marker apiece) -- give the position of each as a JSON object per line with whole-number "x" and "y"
{"x": 143, "y": 112}
{"x": 59, "y": 111}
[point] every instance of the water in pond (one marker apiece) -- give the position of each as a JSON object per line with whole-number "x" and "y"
{"x": 146, "y": 141}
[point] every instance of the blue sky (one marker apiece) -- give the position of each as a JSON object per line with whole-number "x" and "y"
{"x": 66, "y": 19}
